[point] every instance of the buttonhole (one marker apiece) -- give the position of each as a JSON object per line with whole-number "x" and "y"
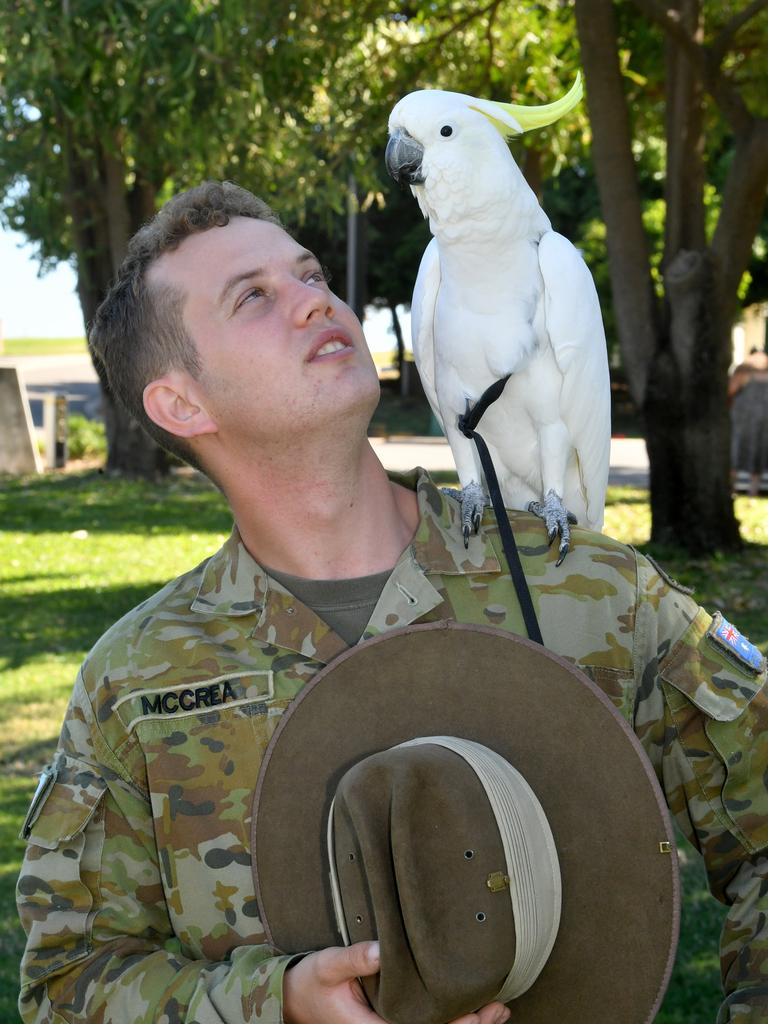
{"x": 480, "y": 916}
{"x": 351, "y": 856}
{"x": 408, "y": 596}
{"x": 359, "y": 919}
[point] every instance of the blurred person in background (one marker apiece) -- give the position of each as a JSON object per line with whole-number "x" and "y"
{"x": 748, "y": 395}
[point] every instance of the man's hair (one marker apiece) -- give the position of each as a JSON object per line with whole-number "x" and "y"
{"x": 138, "y": 331}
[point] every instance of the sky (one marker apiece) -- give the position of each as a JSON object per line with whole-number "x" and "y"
{"x": 32, "y": 306}
{"x": 48, "y": 307}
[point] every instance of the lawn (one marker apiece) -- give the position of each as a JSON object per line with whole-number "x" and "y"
{"x": 43, "y": 347}
{"x": 78, "y": 550}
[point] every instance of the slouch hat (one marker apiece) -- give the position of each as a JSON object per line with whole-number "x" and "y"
{"x": 478, "y": 805}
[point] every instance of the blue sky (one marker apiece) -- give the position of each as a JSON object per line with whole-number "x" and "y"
{"x": 31, "y": 306}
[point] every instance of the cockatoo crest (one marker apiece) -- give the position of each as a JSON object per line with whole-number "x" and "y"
{"x": 510, "y": 119}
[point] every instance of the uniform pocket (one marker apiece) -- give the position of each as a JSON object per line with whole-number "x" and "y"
{"x": 59, "y": 878}
{"x": 727, "y": 745}
{"x": 201, "y": 771}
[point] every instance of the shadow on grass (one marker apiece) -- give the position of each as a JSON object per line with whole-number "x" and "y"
{"x": 16, "y": 794}
{"x": 24, "y": 761}
{"x": 93, "y": 501}
{"x": 63, "y": 621}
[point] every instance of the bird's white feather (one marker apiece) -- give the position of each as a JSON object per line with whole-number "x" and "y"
{"x": 575, "y": 328}
{"x": 422, "y": 323}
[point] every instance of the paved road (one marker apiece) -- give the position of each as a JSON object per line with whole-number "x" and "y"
{"x": 629, "y": 458}
{"x": 74, "y": 376}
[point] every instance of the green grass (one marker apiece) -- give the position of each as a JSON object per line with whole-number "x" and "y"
{"x": 43, "y": 347}
{"x": 78, "y": 550}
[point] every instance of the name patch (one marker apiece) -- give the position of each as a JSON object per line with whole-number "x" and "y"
{"x": 191, "y": 699}
{"x": 729, "y": 639}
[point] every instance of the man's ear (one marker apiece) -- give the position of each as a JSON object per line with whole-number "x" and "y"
{"x": 174, "y": 403}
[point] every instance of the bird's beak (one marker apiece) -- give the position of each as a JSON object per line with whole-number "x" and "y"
{"x": 403, "y": 158}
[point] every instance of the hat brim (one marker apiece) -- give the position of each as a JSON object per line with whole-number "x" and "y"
{"x": 620, "y": 915}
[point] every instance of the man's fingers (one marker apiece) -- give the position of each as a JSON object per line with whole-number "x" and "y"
{"x": 339, "y": 964}
{"x": 493, "y": 1013}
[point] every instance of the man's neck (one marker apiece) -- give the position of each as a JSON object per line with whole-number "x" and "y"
{"x": 335, "y": 516}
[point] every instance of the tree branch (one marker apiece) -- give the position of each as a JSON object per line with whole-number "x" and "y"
{"x": 659, "y": 13}
{"x": 722, "y": 41}
{"x": 743, "y": 202}
{"x": 461, "y": 22}
{"x": 706, "y": 61}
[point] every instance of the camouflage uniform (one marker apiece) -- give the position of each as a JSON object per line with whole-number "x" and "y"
{"x": 136, "y": 890}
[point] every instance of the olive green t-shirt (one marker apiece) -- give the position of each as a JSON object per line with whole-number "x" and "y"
{"x": 346, "y": 605}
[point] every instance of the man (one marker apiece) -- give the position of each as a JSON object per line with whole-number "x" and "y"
{"x": 748, "y": 395}
{"x": 222, "y": 337}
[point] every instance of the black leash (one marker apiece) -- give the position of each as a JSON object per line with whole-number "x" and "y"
{"x": 467, "y": 424}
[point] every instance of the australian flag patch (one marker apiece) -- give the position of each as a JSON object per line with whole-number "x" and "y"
{"x": 727, "y": 637}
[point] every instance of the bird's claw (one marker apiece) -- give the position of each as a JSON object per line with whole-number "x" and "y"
{"x": 472, "y": 499}
{"x": 557, "y": 519}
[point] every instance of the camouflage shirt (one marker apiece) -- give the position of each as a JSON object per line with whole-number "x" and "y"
{"x": 136, "y": 891}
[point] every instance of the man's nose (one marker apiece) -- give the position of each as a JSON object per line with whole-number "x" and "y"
{"x": 312, "y": 301}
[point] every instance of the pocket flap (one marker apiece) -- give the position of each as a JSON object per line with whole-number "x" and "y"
{"x": 697, "y": 666}
{"x": 66, "y": 799}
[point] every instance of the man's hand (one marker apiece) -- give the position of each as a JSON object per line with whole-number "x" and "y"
{"x": 323, "y": 989}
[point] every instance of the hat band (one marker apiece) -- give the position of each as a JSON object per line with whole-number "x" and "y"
{"x": 533, "y": 869}
{"x": 338, "y": 909}
{"x": 535, "y": 886}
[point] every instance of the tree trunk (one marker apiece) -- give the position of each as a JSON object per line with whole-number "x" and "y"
{"x": 402, "y": 369}
{"x": 637, "y": 312}
{"x": 686, "y": 415}
{"x": 532, "y": 167}
{"x": 104, "y": 215}
{"x": 686, "y": 412}
{"x": 676, "y": 358}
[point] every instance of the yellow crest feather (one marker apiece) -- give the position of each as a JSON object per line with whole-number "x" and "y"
{"x": 511, "y": 119}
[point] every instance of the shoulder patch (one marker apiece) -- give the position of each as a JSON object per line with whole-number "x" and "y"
{"x": 725, "y": 636}
{"x": 667, "y": 578}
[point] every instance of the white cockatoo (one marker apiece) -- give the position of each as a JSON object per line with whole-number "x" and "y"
{"x": 499, "y": 292}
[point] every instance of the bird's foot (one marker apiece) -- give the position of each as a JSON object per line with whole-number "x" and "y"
{"x": 557, "y": 519}
{"x": 473, "y": 501}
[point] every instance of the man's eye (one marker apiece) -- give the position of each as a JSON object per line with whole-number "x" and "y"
{"x": 321, "y": 276}
{"x": 252, "y": 293}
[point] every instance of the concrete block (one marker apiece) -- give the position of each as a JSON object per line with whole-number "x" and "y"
{"x": 18, "y": 450}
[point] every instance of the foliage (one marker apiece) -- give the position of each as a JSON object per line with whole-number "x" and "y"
{"x": 503, "y": 51}
{"x": 78, "y": 550}
{"x": 174, "y": 91}
{"x": 85, "y": 438}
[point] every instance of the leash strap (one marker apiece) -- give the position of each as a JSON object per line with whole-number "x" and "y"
{"x": 467, "y": 424}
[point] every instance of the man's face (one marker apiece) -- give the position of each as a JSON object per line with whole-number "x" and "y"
{"x": 281, "y": 355}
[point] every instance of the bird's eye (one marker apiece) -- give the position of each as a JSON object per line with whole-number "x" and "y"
{"x": 446, "y": 130}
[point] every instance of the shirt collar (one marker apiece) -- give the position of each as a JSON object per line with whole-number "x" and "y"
{"x": 234, "y": 584}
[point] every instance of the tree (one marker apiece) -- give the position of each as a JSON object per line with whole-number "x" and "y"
{"x": 676, "y": 345}
{"x": 105, "y": 108}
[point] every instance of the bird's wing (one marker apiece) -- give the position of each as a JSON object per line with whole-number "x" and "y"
{"x": 575, "y": 327}
{"x": 423, "y": 321}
